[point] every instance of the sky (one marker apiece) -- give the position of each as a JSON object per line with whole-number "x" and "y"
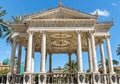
{"x": 107, "y": 10}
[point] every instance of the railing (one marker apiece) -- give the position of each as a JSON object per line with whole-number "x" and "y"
{"x": 61, "y": 78}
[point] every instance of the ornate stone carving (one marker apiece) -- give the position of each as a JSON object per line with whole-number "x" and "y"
{"x": 42, "y": 77}
{"x": 60, "y": 18}
{"x": 27, "y": 78}
{"x": 97, "y": 78}
{"x": 4, "y": 78}
{"x": 62, "y": 36}
{"x": 9, "y": 78}
{"x": 113, "y": 78}
{"x": 60, "y": 43}
{"x": 18, "y": 78}
{"x": 81, "y": 77}
{"x": 107, "y": 36}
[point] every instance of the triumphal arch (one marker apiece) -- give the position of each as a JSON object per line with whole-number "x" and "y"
{"x": 62, "y": 30}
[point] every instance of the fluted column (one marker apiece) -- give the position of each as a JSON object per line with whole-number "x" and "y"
{"x": 25, "y": 59}
{"x": 29, "y": 52}
{"x": 50, "y": 63}
{"x": 43, "y": 52}
{"x": 13, "y": 57}
{"x": 90, "y": 56}
{"x": 95, "y": 67}
{"x": 69, "y": 62}
{"x": 109, "y": 53}
{"x": 19, "y": 59}
{"x": 32, "y": 60}
{"x": 102, "y": 58}
{"x": 79, "y": 53}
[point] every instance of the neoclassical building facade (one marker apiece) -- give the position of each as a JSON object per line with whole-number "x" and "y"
{"x": 62, "y": 30}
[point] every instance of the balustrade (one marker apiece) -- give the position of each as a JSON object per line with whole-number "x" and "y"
{"x": 60, "y": 78}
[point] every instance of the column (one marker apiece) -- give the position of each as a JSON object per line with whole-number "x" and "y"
{"x": 103, "y": 61}
{"x": 29, "y": 53}
{"x": 50, "y": 67}
{"x": 25, "y": 59}
{"x": 95, "y": 67}
{"x": 79, "y": 52}
{"x": 43, "y": 52}
{"x": 90, "y": 56}
{"x": 50, "y": 63}
{"x": 102, "y": 58}
{"x": 46, "y": 59}
{"x": 19, "y": 59}
{"x": 109, "y": 53}
{"x": 32, "y": 60}
{"x": 69, "y": 62}
{"x": 13, "y": 57}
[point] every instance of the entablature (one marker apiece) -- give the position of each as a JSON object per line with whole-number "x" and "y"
{"x": 103, "y": 27}
{"x": 20, "y": 28}
{"x": 58, "y": 29}
{"x": 61, "y": 22}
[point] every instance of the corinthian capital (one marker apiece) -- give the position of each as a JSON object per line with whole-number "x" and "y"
{"x": 30, "y": 32}
{"x": 107, "y": 36}
{"x": 14, "y": 35}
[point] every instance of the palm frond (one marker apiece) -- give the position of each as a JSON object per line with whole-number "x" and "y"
{"x": 2, "y": 13}
{"x": 73, "y": 66}
{"x": 3, "y": 26}
{"x": 9, "y": 32}
{"x": 3, "y": 23}
{"x": 1, "y": 33}
{"x": 115, "y": 62}
{"x": 17, "y": 19}
{"x": 118, "y": 49}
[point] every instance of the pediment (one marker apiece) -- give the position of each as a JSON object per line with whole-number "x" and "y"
{"x": 60, "y": 13}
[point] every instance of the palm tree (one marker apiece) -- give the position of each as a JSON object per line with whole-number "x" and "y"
{"x": 118, "y": 50}
{"x": 3, "y": 23}
{"x": 73, "y": 66}
{"x": 115, "y": 62}
{"x": 16, "y": 19}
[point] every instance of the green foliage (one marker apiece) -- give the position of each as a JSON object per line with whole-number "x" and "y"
{"x": 4, "y": 71}
{"x": 6, "y": 61}
{"x": 73, "y": 66}
{"x": 16, "y": 19}
{"x": 117, "y": 70}
{"x": 118, "y": 50}
{"x": 8, "y": 34}
{"x": 115, "y": 62}
{"x": 3, "y": 23}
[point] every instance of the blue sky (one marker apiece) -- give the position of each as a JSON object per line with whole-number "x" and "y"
{"x": 107, "y": 9}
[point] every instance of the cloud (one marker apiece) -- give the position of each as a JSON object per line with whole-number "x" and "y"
{"x": 101, "y": 12}
{"x": 114, "y": 4}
